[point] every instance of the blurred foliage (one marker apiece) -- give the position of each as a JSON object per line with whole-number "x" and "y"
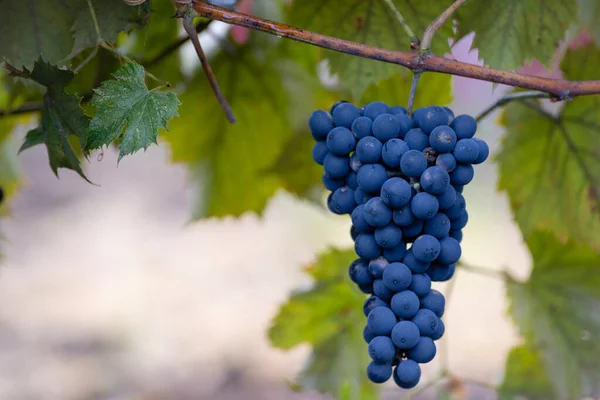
{"x": 525, "y": 376}
{"x": 329, "y": 317}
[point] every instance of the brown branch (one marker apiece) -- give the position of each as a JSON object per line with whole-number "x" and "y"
{"x": 561, "y": 89}
{"x": 438, "y": 23}
{"x": 188, "y": 25}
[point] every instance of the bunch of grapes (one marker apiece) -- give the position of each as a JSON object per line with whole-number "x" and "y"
{"x": 400, "y": 178}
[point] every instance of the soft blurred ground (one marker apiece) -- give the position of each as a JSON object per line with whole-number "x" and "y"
{"x": 108, "y": 293}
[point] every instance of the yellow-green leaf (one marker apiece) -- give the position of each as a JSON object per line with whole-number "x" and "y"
{"x": 525, "y": 376}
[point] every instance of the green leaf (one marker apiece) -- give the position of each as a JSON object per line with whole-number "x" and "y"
{"x": 551, "y": 174}
{"x": 10, "y": 170}
{"x": 127, "y": 109}
{"x": 112, "y": 17}
{"x": 509, "y": 33}
{"x": 62, "y": 117}
{"x": 329, "y": 317}
{"x": 372, "y": 23}
{"x": 589, "y": 15}
{"x": 525, "y": 376}
{"x": 556, "y": 310}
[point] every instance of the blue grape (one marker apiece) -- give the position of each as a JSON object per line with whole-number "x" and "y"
{"x": 457, "y": 208}
{"x": 446, "y": 161}
{"x": 352, "y": 180}
{"x": 438, "y": 226}
{"x": 459, "y": 188}
{"x": 368, "y": 335}
{"x": 451, "y": 269}
{"x": 336, "y": 167}
{"x": 392, "y": 152}
{"x": 424, "y": 351}
{"x": 397, "y": 110}
{"x": 362, "y": 127}
{"x": 344, "y": 114}
{"x": 405, "y": 335}
{"x": 466, "y": 151}
{"x": 450, "y": 114}
{"x": 397, "y": 276}
{"x": 382, "y": 349}
{"x": 432, "y": 117}
{"x": 353, "y": 232}
{"x": 416, "y": 266}
{"x": 413, "y": 230}
{"x": 413, "y": 163}
{"x": 426, "y": 248}
{"x": 359, "y": 272}
{"x": 465, "y": 126}
{"x": 379, "y": 373}
{"x": 361, "y": 197}
{"x": 320, "y": 123}
{"x": 435, "y": 180}
{"x": 406, "y": 123}
{"x": 416, "y": 139}
{"x": 442, "y": 139}
{"x": 343, "y": 200}
{"x": 424, "y": 205}
{"x": 456, "y": 234}
{"x": 484, "y": 151}
{"x": 396, "y": 253}
{"x": 369, "y": 150}
{"x": 319, "y": 152}
{"x": 381, "y": 320}
{"x": 403, "y": 216}
{"x": 388, "y": 237}
{"x": 377, "y": 213}
{"x": 358, "y": 219}
{"x": 405, "y": 304}
{"x": 430, "y": 155}
{"x": 407, "y": 374}
{"x": 421, "y": 284}
{"x": 450, "y": 251}
{"x": 426, "y": 321}
{"x": 396, "y": 192}
{"x": 355, "y": 162}
{"x": 377, "y": 266}
{"x": 433, "y": 301}
{"x": 340, "y": 141}
{"x": 332, "y": 184}
{"x": 337, "y": 103}
{"x": 367, "y": 289}
{"x": 440, "y": 272}
{"x": 371, "y": 177}
{"x": 385, "y": 127}
{"x": 366, "y": 247}
{"x": 439, "y": 331}
{"x": 461, "y": 221}
{"x": 382, "y": 291}
{"x": 375, "y": 109}
{"x": 447, "y": 199}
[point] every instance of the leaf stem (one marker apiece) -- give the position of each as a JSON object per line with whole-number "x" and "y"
{"x": 512, "y": 97}
{"x": 414, "y": 40}
{"x": 95, "y": 22}
{"x": 492, "y": 273}
{"x": 188, "y": 25}
{"x": 89, "y": 58}
{"x": 24, "y": 109}
{"x": 410, "y": 60}
{"x": 148, "y": 74}
{"x": 437, "y": 24}
{"x": 413, "y": 92}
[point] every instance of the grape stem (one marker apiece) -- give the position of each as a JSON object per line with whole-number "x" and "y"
{"x": 492, "y": 273}
{"x": 413, "y": 92}
{"x": 414, "y": 40}
{"x": 512, "y": 97}
{"x": 561, "y": 89}
{"x": 432, "y": 29}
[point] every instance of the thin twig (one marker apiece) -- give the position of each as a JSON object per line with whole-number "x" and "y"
{"x": 492, "y": 273}
{"x": 414, "y": 40}
{"x": 95, "y": 21}
{"x": 148, "y": 74}
{"x": 512, "y": 97}
{"x": 410, "y": 60}
{"x": 438, "y": 23}
{"x": 413, "y": 92}
{"x": 89, "y": 58}
{"x": 188, "y": 25}
{"x": 24, "y": 109}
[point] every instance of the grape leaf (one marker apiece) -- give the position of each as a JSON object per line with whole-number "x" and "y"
{"x": 369, "y": 22}
{"x": 62, "y": 117}
{"x": 556, "y": 311}
{"x": 589, "y": 15}
{"x": 524, "y": 376}
{"x": 127, "y": 109}
{"x": 550, "y": 168}
{"x": 272, "y": 96}
{"x": 509, "y": 33}
{"x": 112, "y": 17}
{"x": 329, "y": 317}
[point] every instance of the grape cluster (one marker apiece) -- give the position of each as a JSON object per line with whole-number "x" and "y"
{"x": 400, "y": 178}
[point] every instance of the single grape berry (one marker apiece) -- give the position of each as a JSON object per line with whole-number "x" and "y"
{"x": 359, "y": 272}
{"x": 413, "y": 230}
{"x": 405, "y": 335}
{"x": 366, "y": 247}
{"x": 416, "y": 139}
{"x": 358, "y": 220}
{"x": 337, "y": 103}
{"x": 388, "y": 237}
{"x": 447, "y": 199}
{"x": 457, "y": 208}
{"x": 376, "y": 109}
{"x": 440, "y": 272}
{"x": 424, "y": 351}
{"x": 442, "y": 139}
{"x": 397, "y": 277}
{"x": 382, "y": 349}
{"x": 461, "y": 221}
{"x": 396, "y": 192}
{"x": 379, "y": 373}
{"x": 369, "y": 150}
{"x": 382, "y": 291}
{"x": 462, "y": 174}
{"x": 446, "y": 161}
{"x": 361, "y": 127}
{"x": 343, "y": 200}
{"x": 484, "y": 151}
{"x": 371, "y": 177}
{"x": 407, "y": 374}
{"x": 396, "y": 253}
{"x": 413, "y": 163}
{"x": 336, "y": 167}
{"x": 424, "y": 205}
{"x": 440, "y": 331}
{"x": 421, "y": 284}
{"x": 433, "y": 117}
{"x": 320, "y": 123}
{"x": 376, "y": 213}
{"x": 403, "y": 216}
{"x": 426, "y": 321}
{"x": 397, "y": 110}
{"x": 340, "y": 141}
{"x": 434, "y": 301}
{"x": 435, "y": 180}
{"x": 332, "y": 184}
{"x": 386, "y": 127}
{"x": 344, "y": 114}
{"x": 360, "y": 197}
{"x": 416, "y": 266}
{"x": 406, "y": 123}
{"x": 466, "y": 151}
{"x": 381, "y": 320}
{"x": 450, "y": 251}
{"x": 438, "y": 226}
{"x": 405, "y": 304}
{"x": 368, "y": 335}
{"x": 392, "y": 152}
{"x": 377, "y": 266}
{"x": 426, "y": 248}
{"x": 319, "y": 152}
{"x": 465, "y": 126}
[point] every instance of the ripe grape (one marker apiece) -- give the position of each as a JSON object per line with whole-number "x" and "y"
{"x": 442, "y": 139}
{"x": 426, "y": 248}
{"x": 416, "y": 139}
{"x": 435, "y": 180}
{"x": 371, "y": 177}
{"x": 381, "y": 290}
{"x": 407, "y": 374}
{"x": 433, "y": 117}
{"x": 366, "y": 246}
{"x": 413, "y": 163}
{"x": 396, "y": 192}
{"x": 376, "y": 109}
{"x": 466, "y": 151}
{"x": 446, "y": 161}
{"x": 388, "y": 237}
{"x": 421, "y": 284}
{"x": 392, "y": 152}
{"x": 319, "y": 152}
{"x": 465, "y": 126}
{"x": 484, "y": 151}
{"x": 377, "y": 266}
{"x": 405, "y": 304}
{"x": 359, "y": 272}
{"x": 379, "y": 373}
{"x": 369, "y": 150}
{"x": 450, "y": 251}
{"x": 340, "y": 141}
{"x": 320, "y": 123}
{"x": 397, "y": 277}
{"x": 415, "y": 265}
{"x": 377, "y": 213}
{"x": 381, "y": 320}
{"x": 361, "y": 127}
{"x": 343, "y": 200}
{"x": 403, "y": 216}
{"x": 405, "y": 335}
{"x": 382, "y": 349}
{"x": 438, "y": 226}
{"x": 424, "y": 205}
{"x": 433, "y": 301}
{"x": 386, "y": 127}
{"x": 426, "y": 321}
{"x": 344, "y": 114}
{"x": 424, "y": 351}
{"x": 336, "y": 167}
{"x": 396, "y": 253}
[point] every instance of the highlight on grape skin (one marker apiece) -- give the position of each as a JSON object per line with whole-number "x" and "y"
{"x": 400, "y": 178}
